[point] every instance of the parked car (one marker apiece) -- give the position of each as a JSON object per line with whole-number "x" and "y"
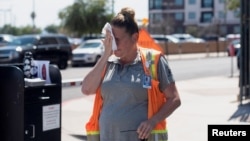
{"x": 75, "y": 42}
{"x": 53, "y": 47}
{"x": 188, "y": 38}
{"x": 5, "y": 39}
{"x": 88, "y": 52}
{"x": 92, "y": 36}
{"x": 210, "y": 37}
{"x": 230, "y": 37}
{"x": 233, "y": 47}
{"x": 164, "y": 38}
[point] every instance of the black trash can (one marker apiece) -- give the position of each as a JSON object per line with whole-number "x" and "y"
{"x": 11, "y": 103}
{"x": 36, "y": 115}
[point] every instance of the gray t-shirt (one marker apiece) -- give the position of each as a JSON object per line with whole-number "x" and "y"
{"x": 125, "y": 100}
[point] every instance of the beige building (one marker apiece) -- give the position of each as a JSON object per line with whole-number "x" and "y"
{"x": 197, "y": 17}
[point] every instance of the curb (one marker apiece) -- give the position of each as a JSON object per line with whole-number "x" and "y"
{"x": 71, "y": 82}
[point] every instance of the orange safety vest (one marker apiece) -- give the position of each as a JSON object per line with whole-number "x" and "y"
{"x": 155, "y": 100}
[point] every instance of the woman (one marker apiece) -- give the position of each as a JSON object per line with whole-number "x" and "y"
{"x": 120, "y": 74}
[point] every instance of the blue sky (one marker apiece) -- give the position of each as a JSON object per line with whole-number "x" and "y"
{"x": 17, "y": 12}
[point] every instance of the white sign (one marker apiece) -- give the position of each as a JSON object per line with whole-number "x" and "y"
{"x": 51, "y": 117}
{"x": 42, "y": 70}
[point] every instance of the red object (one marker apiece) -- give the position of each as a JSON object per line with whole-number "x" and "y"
{"x": 231, "y": 50}
{"x": 145, "y": 40}
{"x": 44, "y": 72}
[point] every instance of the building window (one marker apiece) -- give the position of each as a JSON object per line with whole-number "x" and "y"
{"x": 179, "y": 16}
{"x": 221, "y": 1}
{"x": 206, "y": 17}
{"x": 191, "y": 15}
{"x": 158, "y": 4}
{"x": 207, "y": 3}
{"x": 179, "y": 30}
{"x": 151, "y": 4}
{"x": 223, "y": 30}
{"x": 236, "y": 12}
{"x": 155, "y": 4}
{"x": 191, "y": 2}
{"x": 178, "y": 2}
{"x": 236, "y": 29}
{"x": 156, "y": 18}
{"x": 221, "y": 14}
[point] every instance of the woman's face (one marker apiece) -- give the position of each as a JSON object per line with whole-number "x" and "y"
{"x": 125, "y": 42}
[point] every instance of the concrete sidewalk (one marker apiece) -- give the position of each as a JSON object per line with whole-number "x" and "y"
{"x": 205, "y": 101}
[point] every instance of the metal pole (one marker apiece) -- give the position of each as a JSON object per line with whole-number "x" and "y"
{"x": 113, "y": 6}
{"x": 33, "y": 15}
{"x": 244, "y": 82}
{"x": 4, "y": 11}
{"x": 232, "y": 65}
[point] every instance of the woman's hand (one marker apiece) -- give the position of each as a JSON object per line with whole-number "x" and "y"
{"x": 145, "y": 129}
{"x": 107, "y": 42}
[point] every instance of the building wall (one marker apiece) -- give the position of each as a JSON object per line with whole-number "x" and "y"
{"x": 223, "y": 21}
{"x": 195, "y": 9}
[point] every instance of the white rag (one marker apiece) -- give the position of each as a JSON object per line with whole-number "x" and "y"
{"x": 107, "y": 26}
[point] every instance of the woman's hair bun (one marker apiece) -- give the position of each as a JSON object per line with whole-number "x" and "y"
{"x": 128, "y": 12}
{"x": 126, "y": 19}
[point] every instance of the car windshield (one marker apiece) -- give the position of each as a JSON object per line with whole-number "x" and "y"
{"x": 90, "y": 45}
{"x": 1, "y": 39}
{"x": 237, "y": 41}
{"x": 23, "y": 41}
{"x": 183, "y": 37}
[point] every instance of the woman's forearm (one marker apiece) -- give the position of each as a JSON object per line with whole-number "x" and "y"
{"x": 93, "y": 79}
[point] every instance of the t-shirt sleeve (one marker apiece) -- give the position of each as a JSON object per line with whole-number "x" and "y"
{"x": 165, "y": 75}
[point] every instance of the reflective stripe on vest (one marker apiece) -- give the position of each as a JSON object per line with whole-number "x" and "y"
{"x": 93, "y": 137}
{"x": 153, "y": 66}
